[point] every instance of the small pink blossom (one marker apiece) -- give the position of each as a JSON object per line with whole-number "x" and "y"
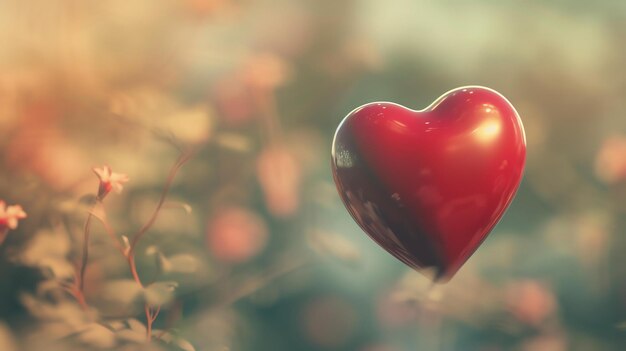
{"x": 236, "y": 235}
{"x": 531, "y": 301}
{"x": 109, "y": 180}
{"x": 280, "y": 175}
{"x": 610, "y": 164}
{"x": 9, "y": 216}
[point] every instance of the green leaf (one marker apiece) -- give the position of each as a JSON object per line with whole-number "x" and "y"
{"x": 151, "y": 250}
{"x": 123, "y": 291}
{"x": 185, "y": 345}
{"x": 136, "y": 325}
{"x": 131, "y": 335}
{"x": 136, "y": 332}
{"x": 116, "y": 325}
{"x": 170, "y": 339}
{"x": 97, "y": 335}
{"x": 160, "y": 293}
{"x": 183, "y": 263}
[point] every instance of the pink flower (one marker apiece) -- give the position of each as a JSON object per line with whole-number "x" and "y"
{"x": 236, "y": 235}
{"x": 611, "y": 160}
{"x": 531, "y": 301}
{"x": 280, "y": 175}
{"x": 9, "y": 216}
{"x": 109, "y": 180}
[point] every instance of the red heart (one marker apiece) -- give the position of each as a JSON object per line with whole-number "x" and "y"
{"x": 428, "y": 186}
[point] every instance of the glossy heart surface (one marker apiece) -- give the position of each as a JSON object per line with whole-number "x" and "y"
{"x": 428, "y": 186}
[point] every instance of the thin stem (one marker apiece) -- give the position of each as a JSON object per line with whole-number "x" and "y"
{"x": 130, "y": 253}
{"x": 155, "y": 314}
{"x": 146, "y": 307}
{"x": 74, "y": 289}
{"x": 109, "y": 230}
{"x": 173, "y": 314}
{"x": 168, "y": 183}
{"x": 80, "y": 297}
{"x": 85, "y": 258}
{"x": 133, "y": 270}
{"x": 149, "y": 321}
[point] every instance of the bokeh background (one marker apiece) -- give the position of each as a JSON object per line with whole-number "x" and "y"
{"x": 253, "y": 231}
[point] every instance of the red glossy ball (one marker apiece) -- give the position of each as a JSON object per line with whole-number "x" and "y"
{"x": 428, "y": 186}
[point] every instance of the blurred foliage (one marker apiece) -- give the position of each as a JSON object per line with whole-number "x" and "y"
{"x": 252, "y": 249}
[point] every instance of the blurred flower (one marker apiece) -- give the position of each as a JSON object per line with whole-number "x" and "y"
{"x": 611, "y": 160}
{"x": 329, "y": 321}
{"x": 39, "y": 145}
{"x": 236, "y": 235}
{"x": 592, "y": 238}
{"x": 265, "y": 71}
{"x": 9, "y": 216}
{"x": 233, "y": 101}
{"x": 109, "y": 180}
{"x": 530, "y": 301}
{"x": 237, "y": 95}
{"x": 354, "y": 55}
{"x": 189, "y": 124}
{"x": 545, "y": 343}
{"x": 279, "y": 175}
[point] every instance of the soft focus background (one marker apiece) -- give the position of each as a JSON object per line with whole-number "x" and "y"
{"x": 263, "y": 252}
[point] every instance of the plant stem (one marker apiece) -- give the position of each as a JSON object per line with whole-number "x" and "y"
{"x": 149, "y": 320}
{"x": 149, "y": 317}
{"x": 85, "y": 258}
{"x": 83, "y": 263}
{"x": 130, "y": 253}
{"x": 110, "y": 232}
{"x": 133, "y": 269}
{"x": 80, "y": 297}
{"x": 168, "y": 183}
